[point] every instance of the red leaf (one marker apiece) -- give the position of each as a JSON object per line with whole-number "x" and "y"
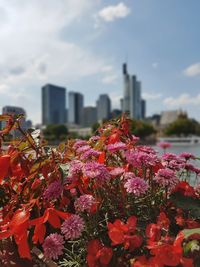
{"x": 18, "y": 221}
{"x": 23, "y": 247}
{"x": 4, "y": 166}
{"x": 63, "y": 215}
{"x": 101, "y": 158}
{"x": 54, "y": 219}
{"x": 39, "y": 233}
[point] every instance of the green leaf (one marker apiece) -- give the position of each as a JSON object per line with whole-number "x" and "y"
{"x": 188, "y": 232}
{"x": 186, "y": 203}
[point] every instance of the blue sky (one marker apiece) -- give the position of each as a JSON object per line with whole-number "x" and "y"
{"x": 81, "y": 44}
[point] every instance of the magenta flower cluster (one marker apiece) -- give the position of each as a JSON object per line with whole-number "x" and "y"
{"x": 136, "y": 186}
{"x": 72, "y": 227}
{"x": 53, "y": 246}
{"x": 97, "y": 171}
{"x": 53, "y": 191}
{"x": 84, "y": 203}
{"x": 166, "y": 178}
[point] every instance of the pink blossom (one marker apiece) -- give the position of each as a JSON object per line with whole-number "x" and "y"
{"x": 98, "y": 171}
{"x": 187, "y": 155}
{"x": 137, "y": 186}
{"x": 75, "y": 168}
{"x": 72, "y": 227}
{"x": 83, "y": 149}
{"x": 116, "y": 146}
{"x": 164, "y": 145}
{"x": 190, "y": 167}
{"x": 117, "y": 171}
{"x": 53, "y": 191}
{"x": 169, "y": 156}
{"x": 129, "y": 175}
{"x": 140, "y": 159}
{"x": 53, "y": 246}
{"x": 84, "y": 203}
{"x": 147, "y": 149}
{"x": 134, "y": 139}
{"x": 79, "y": 143}
{"x": 166, "y": 178}
{"x": 90, "y": 153}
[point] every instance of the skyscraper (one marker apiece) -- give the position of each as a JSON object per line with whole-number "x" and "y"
{"x": 89, "y": 116}
{"x": 103, "y": 107}
{"x": 53, "y": 104}
{"x": 75, "y": 111}
{"x": 131, "y": 102}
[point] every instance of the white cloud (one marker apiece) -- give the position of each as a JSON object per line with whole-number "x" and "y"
{"x": 113, "y": 12}
{"x": 33, "y": 51}
{"x": 192, "y": 70}
{"x": 109, "y": 79}
{"x": 107, "y": 68}
{"x": 151, "y": 96}
{"x": 182, "y": 100}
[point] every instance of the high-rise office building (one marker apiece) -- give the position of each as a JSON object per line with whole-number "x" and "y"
{"x": 103, "y": 107}
{"x": 143, "y": 107}
{"x": 131, "y": 102}
{"x": 89, "y": 116}
{"x": 75, "y": 108}
{"x": 53, "y": 104}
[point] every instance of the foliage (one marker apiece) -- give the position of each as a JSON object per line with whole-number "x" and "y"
{"x": 142, "y": 129}
{"x": 183, "y": 126}
{"x": 99, "y": 203}
{"x": 55, "y": 132}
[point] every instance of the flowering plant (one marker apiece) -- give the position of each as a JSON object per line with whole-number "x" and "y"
{"x": 99, "y": 203}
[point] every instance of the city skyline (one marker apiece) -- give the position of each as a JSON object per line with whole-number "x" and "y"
{"x": 81, "y": 44}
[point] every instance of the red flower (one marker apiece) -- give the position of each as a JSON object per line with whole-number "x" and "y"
{"x": 121, "y": 233}
{"x": 185, "y": 189}
{"x": 98, "y": 255}
{"x": 163, "y": 221}
{"x": 153, "y": 232}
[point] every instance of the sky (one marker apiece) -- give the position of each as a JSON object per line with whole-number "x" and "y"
{"x": 81, "y": 45}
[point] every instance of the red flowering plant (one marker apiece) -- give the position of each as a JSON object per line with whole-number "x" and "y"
{"x": 102, "y": 202}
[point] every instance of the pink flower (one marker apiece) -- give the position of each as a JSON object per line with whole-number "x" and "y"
{"x": 90, "y": 153}
{"x": 187, "y": 155}
{"x": 164, "y": 145}
{"x": 166, "y": 178}
{"x": 72, "y": 227}
{"x": 79, "y": 143}
{"x": 53, "y": 191}
{"x": 147, "y": 149}
{"x": 83, "y": 149}
{"x": 75, "y": 168}
{"x": 116, "y": 146}
{"x": 53, "y": 246}
{"x": 98, "y": 171}
{"x": 129, "y": 175}
{"x": 84, "y": 203}
{"x": 169, "y": 156}
{"x": 141, "y": 159}
{"x": 137, "y": 186}
{"x": 117, "y": 171}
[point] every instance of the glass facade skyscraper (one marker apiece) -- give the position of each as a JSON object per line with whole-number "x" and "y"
{"x": 53, "y": 104}
{"x": 75, "y": 111}
{"x": 103, "y": 107}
